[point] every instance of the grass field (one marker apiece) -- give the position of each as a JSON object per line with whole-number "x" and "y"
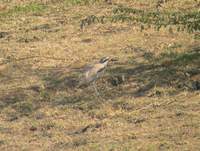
{"x": 149, "y": 100}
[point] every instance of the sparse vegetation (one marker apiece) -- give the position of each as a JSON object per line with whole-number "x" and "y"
{"x": 80, "y": 2}
{"x": 149, "y": 94}
{"x": 188, "y": 21}
{"x": 23, "y": 9}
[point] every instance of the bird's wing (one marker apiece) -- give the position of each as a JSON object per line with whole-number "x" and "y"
{"x": 101, "y": 69}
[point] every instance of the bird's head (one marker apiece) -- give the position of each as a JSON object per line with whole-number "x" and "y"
{"x": 104, "y": 60}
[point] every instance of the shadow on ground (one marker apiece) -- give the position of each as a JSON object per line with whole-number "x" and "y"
{"x": 168, "y": 74}
{"x": 179, "y": 72}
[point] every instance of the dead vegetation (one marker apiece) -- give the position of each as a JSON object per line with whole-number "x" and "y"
{"x": 150, "y": 92}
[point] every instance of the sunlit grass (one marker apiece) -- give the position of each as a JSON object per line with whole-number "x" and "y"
{"x": 22, "y": 9}
{"x": 80, "y": 2}
{"x": 143, "y": 103}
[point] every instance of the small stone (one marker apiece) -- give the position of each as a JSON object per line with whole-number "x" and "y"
{"x": 33, "y": 128}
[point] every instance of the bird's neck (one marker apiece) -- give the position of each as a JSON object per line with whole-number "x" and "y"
{"x": 105, "y": 63}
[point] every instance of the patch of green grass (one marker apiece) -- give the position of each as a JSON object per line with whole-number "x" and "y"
{"x": 24, "y": 108}
{"x": 197, "y": 36}
{"x": 151, "y": 147}
{"x": 21, "y": 9}
{"x": 80, "y": 2}
{"x": 48, "y": 125}
{"x": 44, "y": 96}
{"x": 95, "y": 147}
{"x": 2, "y": 142}
{"x": 185, "y": 58}
{"x": 183, "y": 21}
{"x": 168, "y": 54}
{"x": 4, "y": 130}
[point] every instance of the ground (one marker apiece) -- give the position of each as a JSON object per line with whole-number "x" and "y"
{"x": 149, "y": 94}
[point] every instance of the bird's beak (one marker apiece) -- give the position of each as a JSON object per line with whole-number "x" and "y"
{"x": 113, "y": 59}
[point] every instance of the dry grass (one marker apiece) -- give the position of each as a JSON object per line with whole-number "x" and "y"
{"x": 148, "y": 100}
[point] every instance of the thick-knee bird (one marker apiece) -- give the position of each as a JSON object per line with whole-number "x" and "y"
{"x": 94, "y": 72}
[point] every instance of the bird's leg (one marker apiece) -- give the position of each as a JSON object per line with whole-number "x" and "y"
{"x": 96, "y": 91}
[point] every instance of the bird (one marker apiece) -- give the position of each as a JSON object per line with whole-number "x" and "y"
{"x": 94, "y": 72}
